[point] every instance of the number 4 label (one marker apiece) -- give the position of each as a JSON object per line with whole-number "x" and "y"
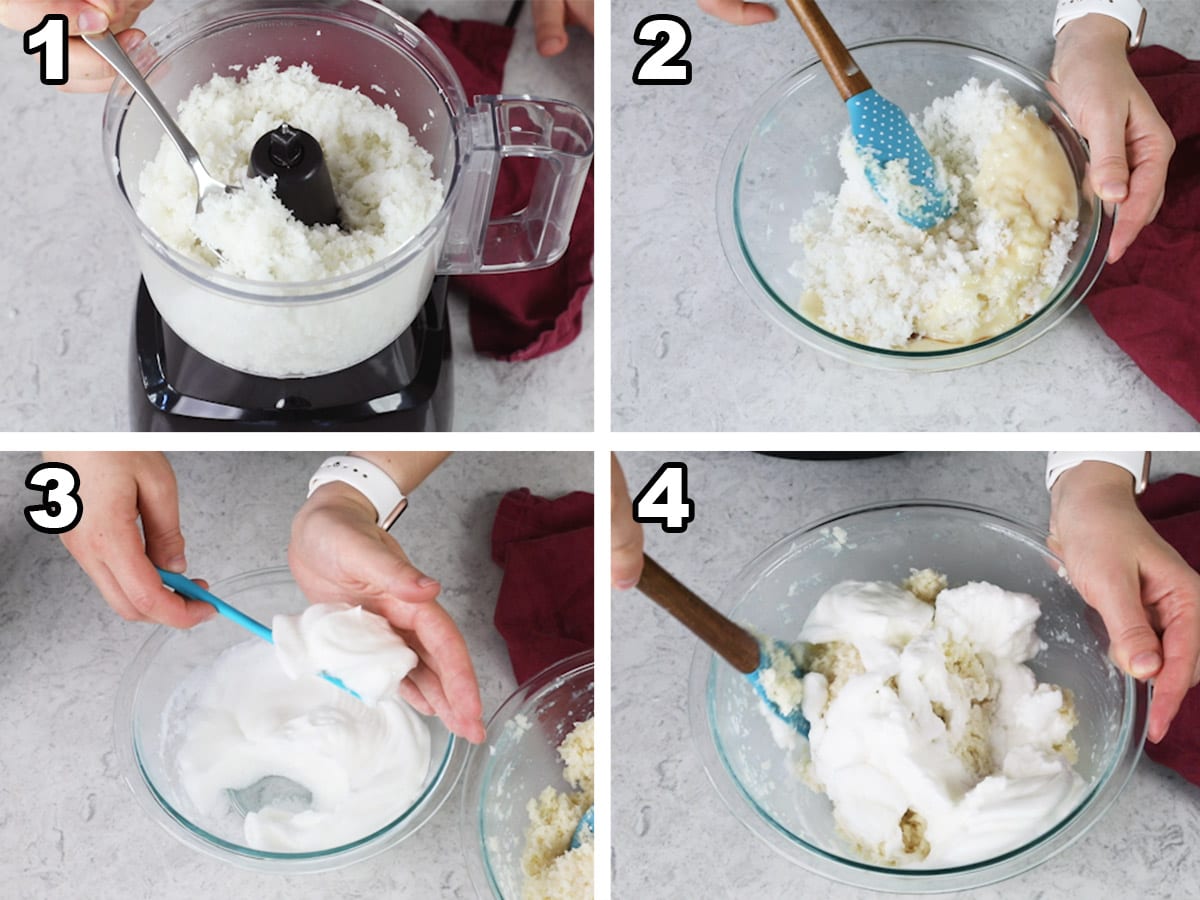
{"x": 664, "y": 500}
{"x": 49, "y": 39}
{"x": 670, "y": 37}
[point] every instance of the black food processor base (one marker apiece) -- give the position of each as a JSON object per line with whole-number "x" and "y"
{"x": 407, "y": 386}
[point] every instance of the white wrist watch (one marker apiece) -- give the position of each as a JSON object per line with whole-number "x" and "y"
{"x": 1135, "y": 462}
{"x": 369, "y": 480}
{"x": 1130, "y": 13}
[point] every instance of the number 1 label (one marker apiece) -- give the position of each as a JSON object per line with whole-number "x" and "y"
{"x": 49, "y": 39}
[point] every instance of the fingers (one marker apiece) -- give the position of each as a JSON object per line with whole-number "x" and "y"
{"x": 1115, "y": 592}
{"x": 1149, "y": 155}
{"x": 582, "y": 12}
{"x": 88, "y": 71}
{"x": 141, "y": 587}
{"x": 627, "y": 535}
{"x": 738, "y": 12}
{"x": 384, "y": 567}
{"x": 1181, "y": 644}
{"x": 550, "y": 26}
{"x": 158, "y": 504}
{"x": 446, "y": 678}
{"x": 1108, "y": 171}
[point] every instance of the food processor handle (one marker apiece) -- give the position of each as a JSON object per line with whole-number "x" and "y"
{"x": 557, "y": 139}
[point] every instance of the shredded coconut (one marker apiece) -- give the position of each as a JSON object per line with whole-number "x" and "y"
{"x": 382, "y": 178}
{"x": 553, "y": 871}
{"x": 871, "y": 277}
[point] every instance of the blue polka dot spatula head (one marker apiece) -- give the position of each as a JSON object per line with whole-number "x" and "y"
{"x": 769, "y": 665}
{"x": 897, "y": 164}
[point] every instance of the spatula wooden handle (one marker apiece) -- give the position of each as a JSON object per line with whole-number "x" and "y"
{"x": 847, "y": 77}
{"x": 736, "y": 646}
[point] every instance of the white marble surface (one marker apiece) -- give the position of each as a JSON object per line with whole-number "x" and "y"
{"x": 68, "y": 280}
{"x": 69, "y": 825}
{"x": 673, "y": 837}
{"x": 690, "y": 350}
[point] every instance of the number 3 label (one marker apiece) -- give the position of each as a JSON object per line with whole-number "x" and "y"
{"x": 60, "y": 509}
{"x": 670, "y": 37}
{"x": 664, "y": 500}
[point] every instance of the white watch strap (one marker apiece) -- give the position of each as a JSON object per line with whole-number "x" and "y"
{"x": 369, "y": 480}
{"x": 1129, "y": 12}
{"x": 1135, "y": 462}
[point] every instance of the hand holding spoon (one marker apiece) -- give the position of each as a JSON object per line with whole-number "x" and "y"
{"x": 734, "y": 644}
{"x": 207, "y": 187}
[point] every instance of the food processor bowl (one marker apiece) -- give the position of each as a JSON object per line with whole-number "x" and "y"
{"x": 519, "y": 761}
{"x": 774, "y": 595}
{"x": 784, "y": 153}
{"x": 151, "y": 709}
{"x": 303, "y": 329}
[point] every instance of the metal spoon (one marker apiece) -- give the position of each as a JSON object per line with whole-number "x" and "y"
{"x": 207, "y": 187}
{"x": 734, "y": 644}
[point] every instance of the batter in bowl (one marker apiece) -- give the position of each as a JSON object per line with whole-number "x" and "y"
{"x": 553, "y": 871}
{"x": 935, "y": 743}
{"x": 873, "y": 278}
{"x": 251, "y": 724}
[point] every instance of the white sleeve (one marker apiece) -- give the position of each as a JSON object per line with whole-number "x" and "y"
{"x": 1135, "y": 462}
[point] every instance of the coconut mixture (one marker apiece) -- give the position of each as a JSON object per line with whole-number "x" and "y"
{"x": 262, "y": 713}
{"x": 873, "y": 278}
{"x": 934, "y": 741}
{"x": 382, "y": 178}
{"x": 553, "y": 871}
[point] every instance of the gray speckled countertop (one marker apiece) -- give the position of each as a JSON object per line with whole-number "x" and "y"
{"x": 69, "y": 826}
{"x": 673, "y": 837}
{"x": 68, "y": 281}
{"x": 690, "y": 350}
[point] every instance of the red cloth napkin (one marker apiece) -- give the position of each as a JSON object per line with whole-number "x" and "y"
{"x": 1149, "y": 302}
{"x": 520, "y": 315}
{"x": 1173, "y": 508}
{"x": 545, "y": 610}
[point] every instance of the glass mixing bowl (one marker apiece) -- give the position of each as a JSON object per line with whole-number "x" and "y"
{"x": 147, "y": 726}
{"x": 516, "y": 763}
{"x": 785, "y": 151}
{"x": 775, "y": 593}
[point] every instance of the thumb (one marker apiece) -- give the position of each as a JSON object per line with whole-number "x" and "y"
{"x": 1134, "y": 646}
{"x": 384, "y": 566}
{"x": 1109, "y": 170}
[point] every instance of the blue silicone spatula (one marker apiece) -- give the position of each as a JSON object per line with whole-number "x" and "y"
{"x": 188, "y": 588}
{"x": 880, "y": 128}
{"x": 733, "y": 643}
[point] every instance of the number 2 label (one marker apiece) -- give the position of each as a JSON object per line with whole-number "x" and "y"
{"x": 49, "y": 39}
{"x": 664, "y": 500}
{"x": 60, "y": 509}
{"x": 670, "y": 37}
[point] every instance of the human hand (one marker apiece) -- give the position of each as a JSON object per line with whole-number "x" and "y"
{"x": 626, "y": 534}
{"x": 1130, "y": 143}
{"x": 339, "y": 554}
{"x": 737, "y": 12}
{"x": 1140, "y": 586}
{"x": 88, "y": 72}
{"x": 118, "y": 489}
{"x": 551, "y": 18}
